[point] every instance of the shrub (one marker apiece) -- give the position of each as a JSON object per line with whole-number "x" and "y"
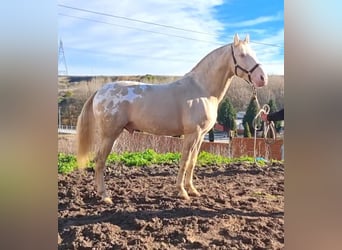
{"x": 66, "y": 163}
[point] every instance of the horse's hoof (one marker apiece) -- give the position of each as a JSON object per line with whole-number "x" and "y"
{"x": 108, "y": 200}
{"x": 184, "y": 196}
{"x": 194, "y": 193}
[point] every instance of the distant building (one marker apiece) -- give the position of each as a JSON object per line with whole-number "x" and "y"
{"x": 218, "y": 127}
{"x": 240, "y": 115}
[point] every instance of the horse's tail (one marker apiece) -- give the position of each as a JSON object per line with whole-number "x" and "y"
{"x": 85, "y": 132}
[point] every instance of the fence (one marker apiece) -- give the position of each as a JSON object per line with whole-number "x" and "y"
{"x": 141, "y": 141}
{"x": 66, "y": 129}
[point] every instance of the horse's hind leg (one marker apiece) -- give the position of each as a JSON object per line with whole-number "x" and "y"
{"x": 105, "y": 147}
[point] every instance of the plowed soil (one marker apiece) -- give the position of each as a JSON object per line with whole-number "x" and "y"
{"x": 241, "y": 207}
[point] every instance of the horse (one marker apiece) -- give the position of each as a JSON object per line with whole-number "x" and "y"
{"x": 187, "y": 106}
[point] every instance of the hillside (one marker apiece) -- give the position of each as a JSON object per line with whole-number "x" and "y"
{"x": 74, "y": 90}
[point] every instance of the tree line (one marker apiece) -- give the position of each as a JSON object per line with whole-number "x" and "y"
{"x": 226, "y": 116}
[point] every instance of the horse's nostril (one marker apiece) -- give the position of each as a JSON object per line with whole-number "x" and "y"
{"x": 262, "y": 78}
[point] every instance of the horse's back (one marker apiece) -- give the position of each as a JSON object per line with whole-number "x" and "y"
{"x": 138, "y": 106}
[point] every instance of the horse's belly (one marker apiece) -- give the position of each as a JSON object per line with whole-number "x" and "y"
{"x": 156, "y": 126}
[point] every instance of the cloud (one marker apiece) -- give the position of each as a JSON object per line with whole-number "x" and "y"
{"x": 115, "y": 46}
{"x": 271, "y": 57}
{"x": 145, "y": 51}
{"x": 256, "y": 21}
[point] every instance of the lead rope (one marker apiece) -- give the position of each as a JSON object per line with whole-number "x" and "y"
{"x": 268, "y": 126}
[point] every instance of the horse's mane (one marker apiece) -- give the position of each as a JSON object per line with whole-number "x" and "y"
{"x": 207, "y": 60}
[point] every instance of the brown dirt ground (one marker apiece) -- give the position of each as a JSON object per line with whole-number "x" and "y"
{"x": 241, "y": 207}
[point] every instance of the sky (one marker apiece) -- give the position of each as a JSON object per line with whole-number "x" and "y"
{"x": 163, "y": 37}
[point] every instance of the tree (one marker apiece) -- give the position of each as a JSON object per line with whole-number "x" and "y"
{"x": 246, "y": 131}
{"x": 226, "y": 115}
{"x": 251, "y": 112}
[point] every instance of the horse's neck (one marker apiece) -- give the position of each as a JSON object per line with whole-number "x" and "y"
{"x": 214, "y": 72}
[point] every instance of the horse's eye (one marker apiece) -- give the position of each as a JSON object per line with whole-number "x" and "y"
{"x": 242, "y": 55}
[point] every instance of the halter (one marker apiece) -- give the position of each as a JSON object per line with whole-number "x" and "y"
{"x": 248, "y": 72}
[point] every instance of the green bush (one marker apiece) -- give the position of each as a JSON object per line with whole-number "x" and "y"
{"x": 67, "y": 162}
{"x": 205, "y": 158}
{"x": 147, "y": 158}
{"x": 134, "y": 159}
{"x": 168, "y": 158}
{"x": 113, "y": 158}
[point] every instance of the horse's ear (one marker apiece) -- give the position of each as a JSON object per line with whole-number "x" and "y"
{"x": 236, "y": 39}
{"x": 247, "y": 38}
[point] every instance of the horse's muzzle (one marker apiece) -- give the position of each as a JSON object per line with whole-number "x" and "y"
{"x": 259, "y": 78}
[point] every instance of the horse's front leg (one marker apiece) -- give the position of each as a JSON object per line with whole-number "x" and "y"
{"x": 189, "y": 186}
{"x": 189, "y": 146}
{"x": 181, "y": 175}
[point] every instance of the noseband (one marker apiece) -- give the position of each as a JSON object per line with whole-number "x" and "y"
{"x": 237, "y": 66}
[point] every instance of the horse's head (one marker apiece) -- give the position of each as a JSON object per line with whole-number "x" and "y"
{"x": 246, "y": 63}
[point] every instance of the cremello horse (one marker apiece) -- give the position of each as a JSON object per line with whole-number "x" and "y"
{"x": 186, "y": 107}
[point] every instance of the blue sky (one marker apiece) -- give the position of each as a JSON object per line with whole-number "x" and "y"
{"x": 164, "y": 37}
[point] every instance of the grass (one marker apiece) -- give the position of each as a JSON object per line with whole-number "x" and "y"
{"x": 68, "y": 163}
